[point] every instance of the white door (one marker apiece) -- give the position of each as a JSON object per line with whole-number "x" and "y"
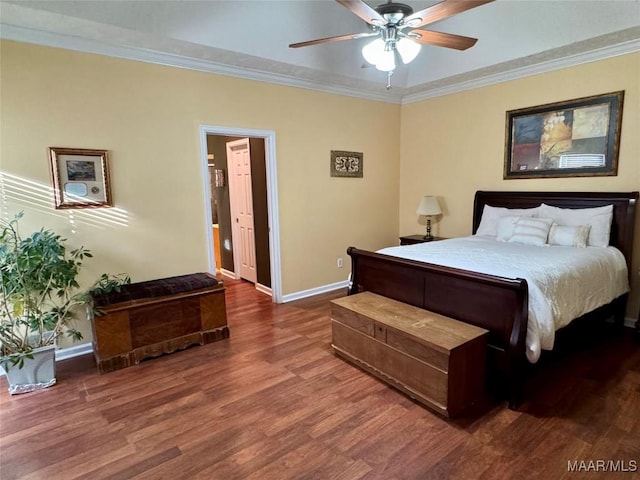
{"x": 244, "y": 245}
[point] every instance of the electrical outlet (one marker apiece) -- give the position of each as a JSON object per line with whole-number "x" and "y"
{"x": 339, "y": 262}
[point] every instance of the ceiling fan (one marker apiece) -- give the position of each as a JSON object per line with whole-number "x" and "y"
{"x": 396, "y": 27}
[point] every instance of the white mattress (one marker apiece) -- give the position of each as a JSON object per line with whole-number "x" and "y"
{"x": 564, "y": 282}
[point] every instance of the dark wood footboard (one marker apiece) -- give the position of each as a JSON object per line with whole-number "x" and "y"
{"x": 498, "y": 304}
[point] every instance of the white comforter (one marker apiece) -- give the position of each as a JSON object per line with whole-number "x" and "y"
{"x": 564, "y": 282}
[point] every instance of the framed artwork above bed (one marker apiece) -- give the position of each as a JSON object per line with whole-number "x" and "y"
{"x": 574, "y": 138}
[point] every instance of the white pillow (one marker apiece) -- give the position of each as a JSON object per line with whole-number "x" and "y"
{"x": 491, "y": 216}
{"x": 599, "y": 218}
{"x": 531, "y": 231}
{"x": 569, "y": 236}
{"x": 506, "y": 227}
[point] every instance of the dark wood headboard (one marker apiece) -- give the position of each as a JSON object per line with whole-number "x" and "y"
{"x": 624, "y": 209}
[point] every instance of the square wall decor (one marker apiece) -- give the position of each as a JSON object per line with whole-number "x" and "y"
{"x": 346, "y": 164}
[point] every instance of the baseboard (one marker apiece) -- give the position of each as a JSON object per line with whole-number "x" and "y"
{"x": 227, "y": 273}
{"x": 70, "y": 352}
{"x": 264, "y": 289}
{"x": 75, "y": 351}
{"x": 630, "y": 322}
{"x": 315, "y": 291}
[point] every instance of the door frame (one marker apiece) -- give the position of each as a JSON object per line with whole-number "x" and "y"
{"x": 269, "y": 137}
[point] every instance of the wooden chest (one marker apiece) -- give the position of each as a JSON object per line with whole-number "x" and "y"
{"x": 161, "y": 321}
{"x": 434, "y": 359}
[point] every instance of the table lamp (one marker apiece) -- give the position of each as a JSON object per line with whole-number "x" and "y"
{"x": 429, "y": 207}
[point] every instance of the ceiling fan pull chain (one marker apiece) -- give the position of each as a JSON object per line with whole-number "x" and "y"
{"x": 389, "y": 73}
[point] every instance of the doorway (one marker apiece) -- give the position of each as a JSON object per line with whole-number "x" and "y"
{"x": 267, "y": 224}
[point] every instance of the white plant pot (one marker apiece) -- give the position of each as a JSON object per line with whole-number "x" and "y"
{"x": 36, "y": 374}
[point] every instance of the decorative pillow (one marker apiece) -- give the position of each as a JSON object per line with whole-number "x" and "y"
{"x": 491, "y": 216}
{"x": 531, "y": 231}
{"x": 569, "y": 236}
{"x": 506, "y": 227}
{"x": 599, "y": 218}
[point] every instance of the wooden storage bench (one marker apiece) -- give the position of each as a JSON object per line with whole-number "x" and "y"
{"x": 434, "y": 359}
{"x": 148, "y": 319}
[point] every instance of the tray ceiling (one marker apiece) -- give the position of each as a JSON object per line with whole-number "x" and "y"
{"x": 250, "y": 39}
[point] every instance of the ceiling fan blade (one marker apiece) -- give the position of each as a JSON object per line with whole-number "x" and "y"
{"x": 364, "y": 11}
{"x": 440, "y": 39}
{"x": 441, "y": 10}
{"x": 338, "y": 38}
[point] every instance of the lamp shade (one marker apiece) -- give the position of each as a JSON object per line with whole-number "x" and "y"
{"x": 377, "y": 53}
{"x": 408, "y": 49}
{"x": 429, "y": 206}
{"x": 373, "y": 50}
{"x": 387, "y": 61}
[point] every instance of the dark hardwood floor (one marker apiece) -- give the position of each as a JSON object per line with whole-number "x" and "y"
{"x": 273, "y": 402}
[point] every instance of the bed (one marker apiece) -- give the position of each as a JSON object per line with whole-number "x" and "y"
{"x": 498, "y": 303}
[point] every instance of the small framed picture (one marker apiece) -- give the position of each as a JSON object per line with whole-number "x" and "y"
{"x": 346, "y": 164}
{"x": 80, "y": 177}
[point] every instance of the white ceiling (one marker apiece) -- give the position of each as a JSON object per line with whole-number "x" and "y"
{"x": 251, "y": 38}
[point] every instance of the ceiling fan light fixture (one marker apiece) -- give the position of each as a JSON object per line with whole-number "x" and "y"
{"x": 372, "y": 51}
{"x": 408, "y": 49}
{"x": 377, "y": 53}
{"x": 394, "y": 24}
{"x": 387, "y": 61}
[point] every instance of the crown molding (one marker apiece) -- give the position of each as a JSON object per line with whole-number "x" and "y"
{"x": 516, "y": 73}
{"x": 396, "y": 96}
{"x": 69, "y": 42}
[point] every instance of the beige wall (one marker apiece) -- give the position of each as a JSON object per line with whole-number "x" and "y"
{"x": 452, "y": 146}
{"x": 148, "y": 117}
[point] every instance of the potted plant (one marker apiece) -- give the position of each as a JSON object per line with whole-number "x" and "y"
{"x": 39, "y": 299}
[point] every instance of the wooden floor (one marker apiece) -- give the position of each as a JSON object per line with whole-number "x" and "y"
{"x": 273, "y": 402}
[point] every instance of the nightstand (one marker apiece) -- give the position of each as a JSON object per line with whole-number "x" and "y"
{"x": 413, "y": 239}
